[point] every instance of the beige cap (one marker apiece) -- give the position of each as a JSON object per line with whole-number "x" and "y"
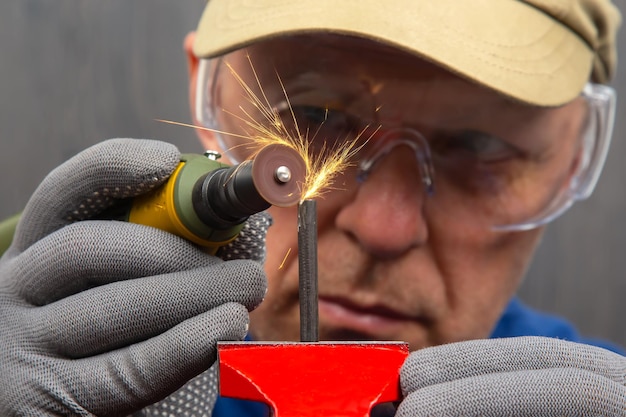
{"x": 537, "y": 51}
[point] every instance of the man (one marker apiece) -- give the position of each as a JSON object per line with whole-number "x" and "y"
{"x": 476, "y": 123}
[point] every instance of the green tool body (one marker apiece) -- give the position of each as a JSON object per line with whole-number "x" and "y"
{"x": 205, "y": 201}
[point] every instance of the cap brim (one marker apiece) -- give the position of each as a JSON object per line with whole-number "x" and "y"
{"x": 506, "y": 45}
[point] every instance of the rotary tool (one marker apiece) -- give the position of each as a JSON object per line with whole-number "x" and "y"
{"x": 206, "y": 201}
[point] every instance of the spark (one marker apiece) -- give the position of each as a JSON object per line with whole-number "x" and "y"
{"x": 285, "y": 259}
{"x": 322, "y": 165}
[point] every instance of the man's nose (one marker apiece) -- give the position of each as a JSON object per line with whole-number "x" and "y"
{"x": 386, "y": 215}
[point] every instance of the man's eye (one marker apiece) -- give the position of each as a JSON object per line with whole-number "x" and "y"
{"x": 311, "y": 114}
{"x": 319, "y": 124}
{"x": 320, "y": 117}
{"x": 474, "y": 144}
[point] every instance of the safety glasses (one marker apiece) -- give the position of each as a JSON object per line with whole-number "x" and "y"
{"x": 502, "y": 165}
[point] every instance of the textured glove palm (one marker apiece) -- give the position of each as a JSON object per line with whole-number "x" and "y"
{"x": 522, "y": 376}
{"x": 104, "y": 317}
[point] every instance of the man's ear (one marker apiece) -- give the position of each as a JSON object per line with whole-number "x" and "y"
{"x": 207, "y": 138}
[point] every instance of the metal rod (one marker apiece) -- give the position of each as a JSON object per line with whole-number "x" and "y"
{"x": 307, "y": 264}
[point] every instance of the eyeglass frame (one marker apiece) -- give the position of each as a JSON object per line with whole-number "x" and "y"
{"x": 601, "y": 100}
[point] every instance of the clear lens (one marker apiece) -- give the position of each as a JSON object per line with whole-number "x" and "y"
{"x": 595, "y": 141}
{"x": 514, "y": 175}
{"x": 405, "y": 139}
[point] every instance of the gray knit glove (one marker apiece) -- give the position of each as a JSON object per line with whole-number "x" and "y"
{"x": 522, "y": 376}
{"x": 104, "y": 317}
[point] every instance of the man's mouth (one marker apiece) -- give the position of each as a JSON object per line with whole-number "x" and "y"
{"x": 372, "y": 320}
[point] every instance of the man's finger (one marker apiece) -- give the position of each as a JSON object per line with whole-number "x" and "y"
{"x": 141, "y": 374}
{"x": 446, "y": 363}
{"x": 127, "y": 312}
{"x": 103, "y": 252}
{"x": 546, "y": 393}
{"x": 86, "y": 184}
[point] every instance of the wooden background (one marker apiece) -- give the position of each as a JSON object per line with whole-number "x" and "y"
{"x": 75, "y": 72}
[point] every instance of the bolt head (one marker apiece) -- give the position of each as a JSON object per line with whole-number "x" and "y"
{"x": 283, "y": 174}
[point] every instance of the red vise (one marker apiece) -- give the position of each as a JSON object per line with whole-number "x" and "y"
{"x": 299, "y": 379}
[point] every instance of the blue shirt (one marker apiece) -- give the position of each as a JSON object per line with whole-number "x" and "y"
{"x": 517, "y": 320}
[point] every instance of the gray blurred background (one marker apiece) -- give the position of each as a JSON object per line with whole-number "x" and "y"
{"x": 75, "y": 72}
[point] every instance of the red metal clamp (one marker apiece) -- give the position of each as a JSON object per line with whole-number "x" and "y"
{"x": 299, "y": 379}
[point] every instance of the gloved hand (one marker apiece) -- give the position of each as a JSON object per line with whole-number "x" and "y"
{"x": 521, "y": 376}
{"x": 104, "y": 317}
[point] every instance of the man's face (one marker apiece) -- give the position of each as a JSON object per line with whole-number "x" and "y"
{"x": 395, "y": 263}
